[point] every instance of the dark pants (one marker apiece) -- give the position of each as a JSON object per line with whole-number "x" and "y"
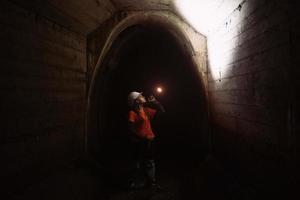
{"x": 143, "y": 151}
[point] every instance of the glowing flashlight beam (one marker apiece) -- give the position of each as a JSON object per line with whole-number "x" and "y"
{"x": 159, "y": 90}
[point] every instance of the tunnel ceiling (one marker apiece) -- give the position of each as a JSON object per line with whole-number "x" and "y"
{"x": 84, "y": 16}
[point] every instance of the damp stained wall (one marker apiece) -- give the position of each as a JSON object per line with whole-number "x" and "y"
{"x": 43, "y": 93}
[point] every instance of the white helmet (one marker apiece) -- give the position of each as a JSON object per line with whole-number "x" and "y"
{"x": 132, "y": 97}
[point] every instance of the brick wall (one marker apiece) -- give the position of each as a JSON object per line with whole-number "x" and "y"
{"x": 250, "y": 87}
{"x": 42, "y": 89}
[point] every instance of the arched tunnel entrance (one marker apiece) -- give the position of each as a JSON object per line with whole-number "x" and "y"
{"x": 140, "y": 59}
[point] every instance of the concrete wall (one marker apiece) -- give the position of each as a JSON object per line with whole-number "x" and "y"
{"x": 295, "y": 81}
{"x": 250, "y": 88}
{"x": 100, "y": 40}
{"x": 42, "y": 89}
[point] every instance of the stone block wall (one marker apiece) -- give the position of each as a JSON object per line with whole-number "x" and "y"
{"x": 42, "y": 85}
{"x": 250, "y": 89}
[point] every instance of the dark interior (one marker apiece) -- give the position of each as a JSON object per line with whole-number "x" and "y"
{"x": 142, "y": 59}
{"x": 229, "y": 72}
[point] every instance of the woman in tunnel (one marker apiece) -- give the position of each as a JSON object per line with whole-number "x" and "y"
{"x": 142, "y": 138}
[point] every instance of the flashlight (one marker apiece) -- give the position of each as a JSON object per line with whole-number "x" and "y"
{"x": 159, "y": 90}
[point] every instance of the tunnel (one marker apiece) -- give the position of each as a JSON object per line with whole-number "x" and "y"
{"x": 142, "y": 58}
{"x": 228, "y": 71}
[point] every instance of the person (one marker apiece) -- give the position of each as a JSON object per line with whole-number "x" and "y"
{"x": 141, "y": 113}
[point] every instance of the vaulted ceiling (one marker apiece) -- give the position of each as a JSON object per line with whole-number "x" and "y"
{"x": 83, "y": 16}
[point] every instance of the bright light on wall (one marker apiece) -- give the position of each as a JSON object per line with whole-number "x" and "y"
{"x": 199, "y": 13}
{"x": 214, "y": 18}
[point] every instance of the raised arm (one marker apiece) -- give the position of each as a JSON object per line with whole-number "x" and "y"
{"x": 153, "y": 103}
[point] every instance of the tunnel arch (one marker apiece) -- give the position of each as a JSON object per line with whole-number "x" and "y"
{"x": 149, "y": 20}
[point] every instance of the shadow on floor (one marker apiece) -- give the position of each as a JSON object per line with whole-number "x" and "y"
{"x": 179, "y": 178}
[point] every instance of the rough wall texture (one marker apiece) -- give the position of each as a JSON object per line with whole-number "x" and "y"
{"x": 250, "y": 89}
{"x": 295, "y": 81}
{"x": 97, "y": 40}
{"x": 42, "y": 88}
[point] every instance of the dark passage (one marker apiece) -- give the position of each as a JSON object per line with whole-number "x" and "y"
{"x": 67, "y": 68}
{"x": 142, "y": 59}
